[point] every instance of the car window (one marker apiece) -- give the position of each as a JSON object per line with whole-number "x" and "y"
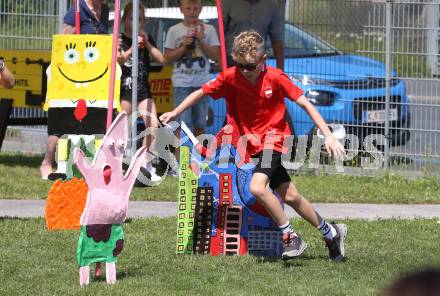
{"x": 298, "y": 43}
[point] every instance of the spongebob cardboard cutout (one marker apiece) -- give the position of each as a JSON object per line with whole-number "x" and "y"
{"x": 80, "y": 70}
{"x": 78, "y": 93}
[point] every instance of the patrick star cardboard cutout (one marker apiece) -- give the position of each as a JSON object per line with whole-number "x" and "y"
{"x": 102, "y": 235}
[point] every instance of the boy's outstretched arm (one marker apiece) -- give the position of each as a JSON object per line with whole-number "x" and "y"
{"x": 333, "y": 146}
{"x": 189, "y": 101}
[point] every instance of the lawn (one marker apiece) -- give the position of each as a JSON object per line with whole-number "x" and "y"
{"x": 38, "y": 262}
{"x": 20, "y": 180}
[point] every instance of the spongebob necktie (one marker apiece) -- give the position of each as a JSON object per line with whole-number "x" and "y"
{"x": 80, "y": 110}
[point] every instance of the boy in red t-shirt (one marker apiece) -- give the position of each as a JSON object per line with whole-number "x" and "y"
{"x": 254, "y": 95}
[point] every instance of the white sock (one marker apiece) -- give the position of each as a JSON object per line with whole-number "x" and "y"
{"x": 327, "y": 230}
{"x": 286, "y": 228}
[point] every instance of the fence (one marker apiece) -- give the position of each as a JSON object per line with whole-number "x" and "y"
{"x": 404, "y": 35}
{"x": 28, "y": 25}
{"x": 372, "y": 66}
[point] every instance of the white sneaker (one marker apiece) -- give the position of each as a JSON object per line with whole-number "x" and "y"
{"x": 154, "y": 177}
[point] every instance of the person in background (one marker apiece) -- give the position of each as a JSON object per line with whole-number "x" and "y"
{"x": 93, "y": 20}
{"x": 189, "y": 45}
{"x": 425, "y": 282}
{"x": 259, "y": 15}
{"x": 7, "y": 80}
{"x": 146, "y": 106}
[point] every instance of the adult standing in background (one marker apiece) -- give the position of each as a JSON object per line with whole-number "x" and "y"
{"x": 7, "y": 80}
{"x": 261, "y": 16}
{"x": 93, "y": 20}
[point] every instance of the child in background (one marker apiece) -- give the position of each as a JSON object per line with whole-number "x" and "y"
{"x": 146, "y": 106}
{"x": 254, "y": 94}
{"x": 189, "y": 45}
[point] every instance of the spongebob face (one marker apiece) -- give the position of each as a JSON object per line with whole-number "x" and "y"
{"x": 80, "y": 68}
{"x": 72, "y": 57}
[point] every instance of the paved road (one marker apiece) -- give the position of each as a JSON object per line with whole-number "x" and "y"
{"x": 141, "y": 209}
{"x": 425, "y": 128}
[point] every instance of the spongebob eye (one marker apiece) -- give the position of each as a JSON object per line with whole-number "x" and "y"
{"x": 71, "y": 56}
{"x": 91, "y": 54}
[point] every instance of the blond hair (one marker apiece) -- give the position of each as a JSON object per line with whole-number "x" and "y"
{"x": 247, "y": 43}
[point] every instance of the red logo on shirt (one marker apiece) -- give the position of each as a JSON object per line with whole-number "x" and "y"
{"x": 268, "y": 92}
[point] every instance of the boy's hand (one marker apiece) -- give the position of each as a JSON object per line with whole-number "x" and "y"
{"x": 187, "y": 40}
{"x": 200, "y": 32}
{"x": 120, "y": 42}
{"x": 167, "y": 117}
{"x": 334, "y": 148}
{"x": 142, "y": 41}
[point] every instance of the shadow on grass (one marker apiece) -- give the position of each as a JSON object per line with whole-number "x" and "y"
{"x": 120, "y": 274}
{"x": 292, "y": 262}
{"x": 16, "y": 159}
{"x": 301, "y": 261}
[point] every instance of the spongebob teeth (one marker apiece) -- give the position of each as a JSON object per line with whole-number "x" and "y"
{"x": 79, "y": 85}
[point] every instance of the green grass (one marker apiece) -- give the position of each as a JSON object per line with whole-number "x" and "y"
{"x": 20, "y": 179}
{"x": 38, "y": 262}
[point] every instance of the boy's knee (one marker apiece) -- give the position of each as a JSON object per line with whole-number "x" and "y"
{"x": 292, "y": 197}
{"x": 257, "y": 190}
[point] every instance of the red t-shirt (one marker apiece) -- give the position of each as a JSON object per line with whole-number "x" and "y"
{"x": 256, "y": 110}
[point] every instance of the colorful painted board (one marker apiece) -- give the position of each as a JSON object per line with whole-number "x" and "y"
{"x": 217, "y": 214}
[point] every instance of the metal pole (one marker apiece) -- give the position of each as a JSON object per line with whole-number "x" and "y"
{"x": 388, "y": 62}
{"x": 134, "y": 76}
{"x": 165, "y": 3}
{"x": 61, "y": 13}
{"x": 77, "y": 17}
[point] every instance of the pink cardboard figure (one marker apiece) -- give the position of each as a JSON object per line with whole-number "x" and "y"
{"x": 102, "y": 235}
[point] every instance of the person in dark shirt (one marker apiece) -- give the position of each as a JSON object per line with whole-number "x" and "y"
{"x": 93, "y": 18}
{"x": 146, "y": 50}
{"x": 262, "y": 16}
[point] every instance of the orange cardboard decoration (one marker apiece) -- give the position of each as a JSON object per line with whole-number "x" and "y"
{"x": 65, "y": 204}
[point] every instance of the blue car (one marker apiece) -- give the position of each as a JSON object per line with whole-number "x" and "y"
{"x": 348, "y": 90}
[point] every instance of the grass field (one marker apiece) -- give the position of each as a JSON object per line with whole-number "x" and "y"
{"x": 20, "y": 179}
{"x": 38, "y": 262}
